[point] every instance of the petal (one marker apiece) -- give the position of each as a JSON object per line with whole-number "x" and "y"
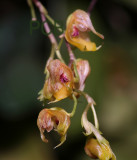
{"x": 62, "y": 93}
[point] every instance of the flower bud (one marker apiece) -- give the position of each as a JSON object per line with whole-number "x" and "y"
{"x": 60, "y": 83}
{"x": 77, "y": 28}
{"x": 97, "y": 150}
{"x": 83, "y": 69}
{"x": 56, "y": 118}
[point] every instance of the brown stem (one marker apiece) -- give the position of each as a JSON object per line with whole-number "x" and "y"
{"x": 91, "y": 6}
{"x": 46, "y": 26}
{"x": 51, "y": 36}
{"x": 71, "y": 54}
{"x": 47, "y": 29}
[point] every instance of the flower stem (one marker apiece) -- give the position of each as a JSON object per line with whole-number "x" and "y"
{"x": 95, "y": 116}
{"x": 54, "y": 23}
{"x": 32, "y": 10}
{"x": 45, "y": 12}
{"x": 51, "y": 36}
{"x": 74, "y": 107}
{"x": 71, "y": 54}
{"x": 59, "y": 55}
{"x": 72, "y": 60}
{"x": 91, "y": 103}
{"x": 89, "y": 127}
{"x": 76, "y": 79}
{"x": 47, "y": 29}
{"x": 60, "y": 43}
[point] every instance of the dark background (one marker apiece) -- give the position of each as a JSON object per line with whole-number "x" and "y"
{"x": 112, "y": 82}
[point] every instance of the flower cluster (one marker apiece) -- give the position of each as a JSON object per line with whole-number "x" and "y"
{"x": 68, "y": 81}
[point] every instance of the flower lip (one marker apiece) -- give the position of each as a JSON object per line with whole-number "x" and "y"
{"x": 63, "y": 78}
{"x": 75, "y": 32}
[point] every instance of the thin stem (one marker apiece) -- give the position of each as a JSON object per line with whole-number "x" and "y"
{"x": 60, "y": 43}
{"x": 74, "y": 107}
{"x": 45, "y": 12}
{"x": 59, "y": 55}
{"x": 95, "y": 116}
{"x": 88, "y": 98}
{"x": 76, "y": 79}
{"x": 85, "y": 123}
{"x": 54, "y": 23}
{"x": 52, "y": 54}
{"x": 91, "y": 6}
{"x": 89, "y": 127}
{"x": 91, "y": 103}
{"x": 72, "y": 60}
{"x": 32, "y": 10}
{"x": 42, "y": 9}
{"x": 71, "y": 54}
{"x": 47, "y": 29}
{"x": 51, "y": 36}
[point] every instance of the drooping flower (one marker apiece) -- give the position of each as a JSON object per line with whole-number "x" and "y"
{"x": 97, "y": 150}
{"x": 54, "y": 118}
{"x": 60, "y": 82}
{"x": 83, "y": 69}
{"x": 77, "y": 27}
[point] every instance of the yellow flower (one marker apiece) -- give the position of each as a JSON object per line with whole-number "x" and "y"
{"x": 56, "y": 118}
{"x": 94, "y": 149}
{"x": 60, "y": 82}
{"x": 77, "y": 27}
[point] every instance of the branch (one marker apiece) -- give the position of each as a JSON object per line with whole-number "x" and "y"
{"x": 47, "y": 29}
{"x": 46, "y": 26}
{"x": 71, "y": 54}
{"x": 51, "y": 36}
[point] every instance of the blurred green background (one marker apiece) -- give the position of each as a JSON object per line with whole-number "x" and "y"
{"x": 112, "y": 82}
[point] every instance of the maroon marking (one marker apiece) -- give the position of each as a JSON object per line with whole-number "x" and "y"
{"x": 75, "y": 31}
{"x": 63, "y": 78}
{"x": 57, "y": 122}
